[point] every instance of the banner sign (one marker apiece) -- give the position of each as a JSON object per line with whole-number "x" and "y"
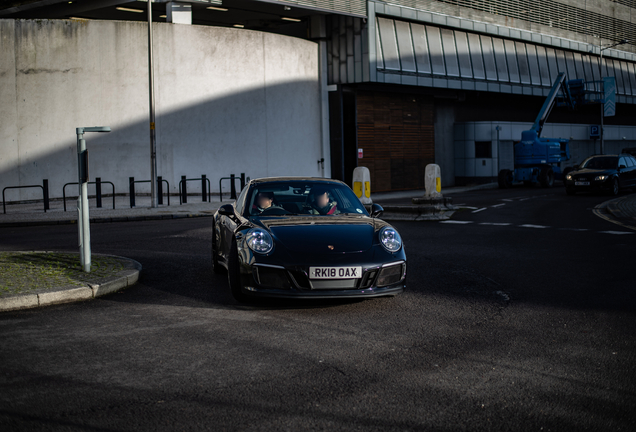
{"x": 609, "y": 85}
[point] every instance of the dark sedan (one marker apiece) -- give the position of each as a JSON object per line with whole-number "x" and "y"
{"x": 306, "y": 237}
{"x": 608, "y": 173}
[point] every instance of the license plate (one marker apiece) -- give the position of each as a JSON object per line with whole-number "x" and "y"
{"x": 335, "y": 272}
{"x": 580, "y": 183}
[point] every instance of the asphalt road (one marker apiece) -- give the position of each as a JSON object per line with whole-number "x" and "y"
{"x": 519, "y": 315}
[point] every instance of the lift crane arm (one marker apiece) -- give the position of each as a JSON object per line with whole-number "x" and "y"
{"x": 548, "y": 104}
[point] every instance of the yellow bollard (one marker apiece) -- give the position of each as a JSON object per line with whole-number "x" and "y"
{"x": 362, "y": 184}
{"x": 433, "y": 180}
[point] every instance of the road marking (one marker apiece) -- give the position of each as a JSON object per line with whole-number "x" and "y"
{"x": 508, "y": 200}
{"x": 498, "y": 205}
{"x": 479, "y": 210}
{"x": 467, "y": 207}
{"x": 457, "y": 222}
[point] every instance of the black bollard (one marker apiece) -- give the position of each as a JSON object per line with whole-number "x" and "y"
{"x": 45, "y": 188}
{"x": 131, "y": 185}
{"x": 184, "y": 193}
{"x": 159, "y": 190}
{"x": 98, "y": 191}
{"x": 242, "y": 180}
{"x": 203, "y": 187}
{"x": 232, "y": 187}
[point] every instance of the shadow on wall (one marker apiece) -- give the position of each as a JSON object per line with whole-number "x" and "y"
{"x": 239, "y": 133}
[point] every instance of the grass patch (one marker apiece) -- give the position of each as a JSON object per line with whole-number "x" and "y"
{"x": 21, "y": 272}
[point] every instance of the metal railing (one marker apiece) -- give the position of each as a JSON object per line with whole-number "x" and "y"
{"x": 45, "y": 194}
{"x": 183, "y": 193}
{"x": 232, "y": 179}
{"x": 98, "y": 191}
{"x": 160, "y": 182}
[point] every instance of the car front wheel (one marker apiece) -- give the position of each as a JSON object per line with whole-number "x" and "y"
{"x": 216, "y": 266}
{"x": 234, "y": 275}
{"x": 614, "y": 189}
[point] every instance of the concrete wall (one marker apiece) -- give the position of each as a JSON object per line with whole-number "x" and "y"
{"x": 227, "y": 101}
{"x": 444, "y": 154}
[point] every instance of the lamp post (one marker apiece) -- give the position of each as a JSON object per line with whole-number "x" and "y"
{"x": 83, "y": 227}
{"x": 600, "y": 70}
{"x": 153, "y": 136}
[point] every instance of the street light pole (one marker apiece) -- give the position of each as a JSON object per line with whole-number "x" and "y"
{"x": 153, "y": 136}
{"x": 600, "y": 74}
{"x": 83, "y": 227}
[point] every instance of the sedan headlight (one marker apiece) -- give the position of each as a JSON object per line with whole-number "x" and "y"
{"x": 259, "y": 240}
{"x": 568, "y": 177}
{"x": 390, "y": 239}
{"x": 600, "y": 178}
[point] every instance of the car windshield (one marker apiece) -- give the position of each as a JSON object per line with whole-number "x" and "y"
{"x": 601, "y": 162}
{"x": 317, "y": 198}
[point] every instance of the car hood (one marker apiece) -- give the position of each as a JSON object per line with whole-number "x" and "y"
{"x": 328, "y": 235}
{"x": 592, "y": 172}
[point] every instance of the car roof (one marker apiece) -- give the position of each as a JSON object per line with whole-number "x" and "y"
{"x": 289, "y": 178}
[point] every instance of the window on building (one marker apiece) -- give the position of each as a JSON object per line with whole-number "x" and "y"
{"x": 483, "y": 149}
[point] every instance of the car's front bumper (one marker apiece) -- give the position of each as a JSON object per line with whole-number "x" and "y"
{"x": 267, "y": 280}
{"x": 326, "y": 294}
{"x": 594, "y": 185}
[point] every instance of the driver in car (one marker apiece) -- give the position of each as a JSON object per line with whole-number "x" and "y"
{"x": 322, "y": 203}
{"x": 265, "y": 201}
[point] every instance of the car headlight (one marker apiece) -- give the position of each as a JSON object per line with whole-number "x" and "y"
{"x": 390, "y": 239}
{"x": 259, "y": 240}
{"x": 600, "y": 178}
{"x": 568, "y": 177}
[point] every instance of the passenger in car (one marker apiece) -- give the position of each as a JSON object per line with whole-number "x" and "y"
{"x": 322, "y": 202}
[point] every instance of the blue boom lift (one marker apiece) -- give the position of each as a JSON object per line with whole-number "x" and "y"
{"x": 538, "y": 159}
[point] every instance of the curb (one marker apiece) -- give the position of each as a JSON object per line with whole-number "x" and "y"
{"x": 611, "y": 212}
{"x": 416, "y": 213}
{"x": 613, "y": 207}
{"x": 421, "y": 192}
{"x": 103, "y": 220}
{"x": 124, "y": 278}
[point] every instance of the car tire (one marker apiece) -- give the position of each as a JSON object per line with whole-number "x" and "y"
{"x": 614, "y": 189}
{"x": 546, "y": 177}
{"x": 216, "y": 266}
{"x": 505, "y": 179}
{"x": 234, "y": 276}
{"x": 570, "y": 191}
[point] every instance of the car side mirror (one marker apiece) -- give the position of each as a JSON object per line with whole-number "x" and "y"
{"x": 226, "y": 210}
{"x": 376, "y": 210}
{"x": 622, "y": 167}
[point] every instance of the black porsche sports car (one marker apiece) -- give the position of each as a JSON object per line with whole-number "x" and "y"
{"x": 292, "y": 237}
